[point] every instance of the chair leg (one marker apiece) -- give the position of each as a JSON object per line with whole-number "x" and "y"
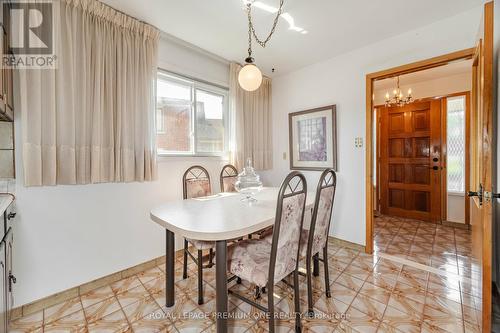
{"x": 298, "y": 324}
{"x": 310, "y": 311}
{"x": 185, "y": 265}
{"x": 211, "y": 258}
{"x": 316, "y": 264}
{"x": 257, "y": 292}
{"x": 270, "y": 307}
{"x": 200, "y": 277}
{"x": 327, "y": 274}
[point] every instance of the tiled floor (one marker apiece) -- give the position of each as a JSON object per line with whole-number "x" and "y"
{"x": 381, "y": 293}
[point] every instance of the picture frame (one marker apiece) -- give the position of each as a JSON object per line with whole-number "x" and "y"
{"x": 313, "y": 139}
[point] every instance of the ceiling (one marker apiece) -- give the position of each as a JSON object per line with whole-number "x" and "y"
{"x": 334, "y": 26}
{"x": 454, "y": 68}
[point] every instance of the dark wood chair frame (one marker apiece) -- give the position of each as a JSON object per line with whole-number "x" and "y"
{"x": 327, "y": 179}
{"x": 294, "y": 190}
{"x": 228, "y": 171}
{"x": 196, "y": 172}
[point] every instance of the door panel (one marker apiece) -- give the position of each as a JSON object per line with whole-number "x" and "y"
{"x": 481, "y": 162}
{"x": 410, "y": 139}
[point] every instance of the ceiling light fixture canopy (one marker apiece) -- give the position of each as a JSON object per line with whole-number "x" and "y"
{"x": 250, "y": 76}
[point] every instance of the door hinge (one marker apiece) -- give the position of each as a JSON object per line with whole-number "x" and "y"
{"x": 488, "y": 196}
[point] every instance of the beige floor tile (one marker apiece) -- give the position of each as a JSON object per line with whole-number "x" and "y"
{"x": 96, "y": 296}
{"x": 361, "y": 321}
{"x": 369, "y": 293}
{"x": 101, "y": 309}
{"x": 28, "y": 323}
{"x": 132, "y": 295}
{"x": 150, "y": 274}
{"x": 114, "y": 322}
{"x": 369, "y": 306}
{"x": 61, "y": 310}
{"x": 125, "y": 284}
{"x": 74, "y": 323}
{"x": 401, "y": 321}
{"x": 376, "y": 293}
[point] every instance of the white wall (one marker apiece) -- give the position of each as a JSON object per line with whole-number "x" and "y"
{"x": 431, "y": 88}
{"x": 341, "y": 81}
{"x": 456, "y": 208}
{"x": 69, "y": 235}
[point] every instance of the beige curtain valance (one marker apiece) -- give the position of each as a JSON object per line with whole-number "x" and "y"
{"x": 91, "y": 120}
{"x": 103, "y": 12}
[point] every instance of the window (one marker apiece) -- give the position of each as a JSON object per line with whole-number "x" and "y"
{"x": 191, "y": 117}
{"x": 455, "y": 132}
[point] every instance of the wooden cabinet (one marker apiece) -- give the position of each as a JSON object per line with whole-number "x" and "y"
{"x": 7, "y": 278}
{"x": 6, "y": 78}
{"x": 3, "y": 290}
{"x": 8, "y": 274}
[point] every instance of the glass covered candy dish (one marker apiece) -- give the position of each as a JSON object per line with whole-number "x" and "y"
{"x": 248, "y": 183}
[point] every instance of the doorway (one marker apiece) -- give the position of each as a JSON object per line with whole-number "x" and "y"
{"x": 373, "y": 182}
{"x": 477, "y": 281}
{"x": 422, "y": 149}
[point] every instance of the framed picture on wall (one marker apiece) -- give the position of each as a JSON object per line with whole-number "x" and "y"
{"x": 313, "y": 139}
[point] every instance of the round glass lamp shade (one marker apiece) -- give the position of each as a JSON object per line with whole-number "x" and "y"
{"x": 250, "y": 77}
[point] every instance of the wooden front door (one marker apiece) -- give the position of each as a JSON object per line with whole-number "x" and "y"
{"x": 482, "y": 164}
{"x": 410, "y": 160}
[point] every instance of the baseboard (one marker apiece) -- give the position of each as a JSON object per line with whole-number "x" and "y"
{"x": 456, "y": 225}
{"x": 351, "y": 245}
{"x": 68, "y": 294}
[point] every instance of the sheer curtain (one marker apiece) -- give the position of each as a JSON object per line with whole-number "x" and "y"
{"x": 92, "y": 119}
{"x": 252, "y": 123}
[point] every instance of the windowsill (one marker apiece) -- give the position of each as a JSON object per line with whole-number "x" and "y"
{"x": 180, "y": 157}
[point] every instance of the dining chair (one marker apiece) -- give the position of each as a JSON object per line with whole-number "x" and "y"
{"x": 228, "y": 177}
{"x": 265, "y": 264}
{"x": 315, "y": 239}
{"x": 196, "y": 183}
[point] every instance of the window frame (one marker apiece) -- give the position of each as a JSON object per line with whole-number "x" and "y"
{"x": 463, "y": 96}
{"x": 195, "y": 86}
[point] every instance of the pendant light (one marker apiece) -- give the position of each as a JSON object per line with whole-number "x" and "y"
{"x": 250, "y": 76}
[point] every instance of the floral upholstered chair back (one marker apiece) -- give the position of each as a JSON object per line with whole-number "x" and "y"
{"x": 228, "y": 177}
{"x": 288, "y": 226}
{"x": 322, "y": 213}
{"x": 196, "y": 183}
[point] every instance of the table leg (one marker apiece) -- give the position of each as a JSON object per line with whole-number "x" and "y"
{"x": 221, "y": 285}
{"x": 169, "y": 269}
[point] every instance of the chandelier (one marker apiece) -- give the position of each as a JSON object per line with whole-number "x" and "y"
{"x": 250, "y": 76}
{"x": 398, "y": 99}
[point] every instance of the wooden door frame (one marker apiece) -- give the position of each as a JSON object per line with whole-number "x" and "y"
{"x": 370, "y": 79}
{"x": 444, "y": 189}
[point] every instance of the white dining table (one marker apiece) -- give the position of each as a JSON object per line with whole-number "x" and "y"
{"x": 219, "y": 218}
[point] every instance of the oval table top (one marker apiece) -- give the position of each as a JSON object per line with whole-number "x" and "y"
{"x": 222, "y": 216}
